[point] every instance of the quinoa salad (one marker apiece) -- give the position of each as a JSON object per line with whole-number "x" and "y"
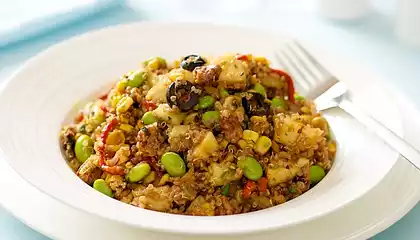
{"x": 202, "y": 136}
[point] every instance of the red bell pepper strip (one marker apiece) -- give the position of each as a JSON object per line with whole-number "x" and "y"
{"x": 290, "y": 85}
{"x": 115, "y": 170}
{"x": 262, "y": 184}
{"x": 107, "y": 129}
{"x": 248, "y": 188}
{"x": 103, "y": 108}
{"x": 103, "y": 96}
{"x": 242, "y": 57}
{"x": 149, "y": 105}
{"x": 80, "y": 117}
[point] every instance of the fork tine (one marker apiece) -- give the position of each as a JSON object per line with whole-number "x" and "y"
{"x": 305, "y": 63}
{"x": 290, "y": 67}
{"x": 318, "y": 66}
{"x": 280, "y": 60}
{"x": 325, "y": 80}
{"x": 300, "y": 66}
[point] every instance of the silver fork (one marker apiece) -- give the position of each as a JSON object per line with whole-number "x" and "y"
{"x": 319, "y": 84}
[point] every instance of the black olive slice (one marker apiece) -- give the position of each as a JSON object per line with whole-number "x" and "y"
{"x": 255, "y": 105}
{"x": 182, "y": 94}
{"x": 190, "y": 62}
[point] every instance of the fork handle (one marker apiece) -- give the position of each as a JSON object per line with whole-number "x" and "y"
{"x": 394, "y": 141}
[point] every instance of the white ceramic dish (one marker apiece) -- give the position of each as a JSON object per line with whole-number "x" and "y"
{"x": 58, "y": 78}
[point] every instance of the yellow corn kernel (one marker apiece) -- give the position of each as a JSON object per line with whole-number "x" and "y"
{"x": 114, "y": 100}
{"x": 126, "y": 128}
{"x": 150, "y": 178}
{"x": 153, "y": 63}
{"x": 176, "y": 63}
{"x": 123, "y": 118}
{"x": 129, "y": 165}
{"x": 121, "y": 85}
{"x": 305, "y": 109}
{"x": 242, "y": 144}
{"x": 263, "y": 145}
{"x": 261, "y": 59}
{"x": 208, "y": 209}
{"x": 124, "y": 104}
{"x": 175, "y": 74}
{"x": 229, "y": 158}
{"x": 223, "y": 144}
{"x": 250, "y": 135}
{"x": 116, "y": 137}
{"x": 163, "y": 180}
{"x": 332, "y": 147}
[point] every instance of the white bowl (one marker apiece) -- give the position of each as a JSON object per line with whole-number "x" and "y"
{"x": 36, "y": 102}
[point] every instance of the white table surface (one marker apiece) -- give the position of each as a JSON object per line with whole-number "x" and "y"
{"x": 369, "y": 42}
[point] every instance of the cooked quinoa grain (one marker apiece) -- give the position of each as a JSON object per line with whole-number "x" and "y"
{"x": 255, "y": 146}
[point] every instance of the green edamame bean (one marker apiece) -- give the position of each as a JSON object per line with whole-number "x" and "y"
{"x": 252, "y": 169}
{"x": 329, "y": 135}
{"x": 155, "y": 63}
{"x": 299, "y": 97}
{"x": 223, "y": 93}
{"x": 210, "y": 118}
{"x": 97, "y": 115}
{"x": 292, "y": 189}
{"x": 148, "y": 118}
{"x": 173, "y": 164}
{"x": 277, "y": 102}
{"x": 316, "y": 174}
{"x": 83, "y": 148}
{"x": 260, "y": 89}
{"x": 225, "y": 190}
{"x": 136, "y": 79}
{"x": 101, "y": 186}
{"x": 138, "y": 172}
{"x": 205, "y": 102}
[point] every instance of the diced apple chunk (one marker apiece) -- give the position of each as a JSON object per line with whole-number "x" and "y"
{"x": 223, "y": 173}
{"x": 279, "y": 175}
{"x": 167, "y": 114}
{"x": 233, "y": 75}
{"x": 208, "y": 146}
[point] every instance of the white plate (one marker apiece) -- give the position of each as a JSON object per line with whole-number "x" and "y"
{"x": 362, "y": 219}
{"x": 58, "y": 78}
